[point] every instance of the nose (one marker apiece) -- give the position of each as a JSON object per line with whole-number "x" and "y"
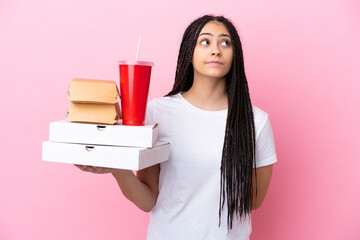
{"x": 215, "y": 51}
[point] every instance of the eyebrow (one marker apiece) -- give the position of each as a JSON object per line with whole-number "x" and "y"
{"x": 220, "y": 35}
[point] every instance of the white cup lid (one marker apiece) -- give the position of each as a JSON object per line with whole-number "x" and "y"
{"x": 144, "y": 63}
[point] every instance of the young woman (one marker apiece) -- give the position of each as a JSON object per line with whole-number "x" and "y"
{"x": 222, "y": 147}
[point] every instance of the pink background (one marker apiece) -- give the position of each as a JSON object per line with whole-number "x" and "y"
{"x": 302, "y": 64}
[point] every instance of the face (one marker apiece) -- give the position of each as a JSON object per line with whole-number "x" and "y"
{"x": 213, "y": 53}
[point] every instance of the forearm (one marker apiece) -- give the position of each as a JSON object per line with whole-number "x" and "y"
{"x": 262, "y": 182}
{"x": 136, "y": 191}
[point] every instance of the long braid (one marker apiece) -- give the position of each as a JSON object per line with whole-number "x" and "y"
{"x": 238, "y": 156}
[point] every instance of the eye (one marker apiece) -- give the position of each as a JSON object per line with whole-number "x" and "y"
{"x": 204, "y": 42}
{"x": 225, "y": 43}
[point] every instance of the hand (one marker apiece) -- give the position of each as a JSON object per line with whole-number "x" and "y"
{"x": 98, "y": 170}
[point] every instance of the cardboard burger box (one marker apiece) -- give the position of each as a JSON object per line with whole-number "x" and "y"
{"x": 93, "y": 101}
{"x": 94, "y": 113}
{"x": 100, "y": 134}
{"x": 132, "y": 158}
{"x": 83, "y": 90}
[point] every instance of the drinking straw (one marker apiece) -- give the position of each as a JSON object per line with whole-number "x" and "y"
{"x": 138, "y": 46}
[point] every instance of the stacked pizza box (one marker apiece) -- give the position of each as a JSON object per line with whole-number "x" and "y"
{"x": 92, "y": 135}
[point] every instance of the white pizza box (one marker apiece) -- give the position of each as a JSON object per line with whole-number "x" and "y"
{"x": 131, "y": 158}
{"x": 103, "y": 134}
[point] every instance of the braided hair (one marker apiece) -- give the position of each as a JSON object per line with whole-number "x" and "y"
{"x": 238, "y": 154}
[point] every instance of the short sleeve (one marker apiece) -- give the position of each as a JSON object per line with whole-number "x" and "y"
{"x": 150, "y": 112}
{"x": 265, "y": 153}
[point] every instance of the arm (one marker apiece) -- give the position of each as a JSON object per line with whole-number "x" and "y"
{"x": 263, "y": 182}
{"x": 142, "y": 189}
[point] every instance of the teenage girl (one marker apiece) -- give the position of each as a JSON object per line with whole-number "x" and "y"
{"x": 222, "y": 147}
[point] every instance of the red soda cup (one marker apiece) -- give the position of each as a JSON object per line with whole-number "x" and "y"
{"x": 134, "y": 90}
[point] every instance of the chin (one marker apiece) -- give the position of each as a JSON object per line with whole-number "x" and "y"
{"x": 216, "y": 75}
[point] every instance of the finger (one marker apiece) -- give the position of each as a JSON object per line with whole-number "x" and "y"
{"x": 101, "y": 170}
{"x": 98, "y": 170}
{"x": 84, "y": 168}
{"x": 93, "y": 169}
{"x": 88, "y": 168}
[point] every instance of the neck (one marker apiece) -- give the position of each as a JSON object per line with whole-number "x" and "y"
{"x": 208, "y": 93}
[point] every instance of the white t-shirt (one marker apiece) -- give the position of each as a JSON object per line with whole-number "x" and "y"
{"x": 189, "y": 182}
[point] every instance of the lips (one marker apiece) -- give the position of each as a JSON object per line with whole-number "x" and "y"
{"x": 214, "y": 63}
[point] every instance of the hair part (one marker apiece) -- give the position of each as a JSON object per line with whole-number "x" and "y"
{"x": 238, "y": 155}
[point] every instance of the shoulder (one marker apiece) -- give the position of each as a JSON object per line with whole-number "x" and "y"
{"x": 261, "y": 118}
{"x": 163, "y": 102}
{"x": 158, "y": 109}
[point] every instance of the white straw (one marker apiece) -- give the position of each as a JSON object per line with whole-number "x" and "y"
{"x": 138, "y": 46}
